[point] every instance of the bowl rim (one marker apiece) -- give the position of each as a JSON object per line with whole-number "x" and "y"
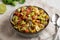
{"x": 10, "y": 19}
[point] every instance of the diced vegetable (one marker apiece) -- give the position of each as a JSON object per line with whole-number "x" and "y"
{"x": 41, "y": 26}
{"x": 15, "y": 19}
{"x": 28, "y": 11}
{"x": 41, "y": 11}
{"x": 37, "y": 28}
{"x": 12, "y": 22}
{"x": 32, "y": 31}
{"x": 38, "y": 21}
{"x": 41, "y": 18}
{"x": 23, "y": 22}
{"x": 47, "y": 17}
{"x": 26, "y": 30}
{"x": 27, "y": 25}
{"x": 24, "y": 8}
{"x": 18, "y": 10}
{"x": 36, "y": 10}
{"x": 15, "y": 26}
{"x": 23, "y": 28}
{"x": 34, "y": 17}
{"x": 44, "y": 22}
{"x": 29, "y": 19}
{"x": 32, "y": 13}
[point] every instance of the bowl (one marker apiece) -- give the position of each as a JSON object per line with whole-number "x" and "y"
{"x": 27, "y": 35}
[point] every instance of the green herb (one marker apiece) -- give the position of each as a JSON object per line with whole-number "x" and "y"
{"x": 7, "y": 1}
{"x": 13, "y": 2}
{"x": 21, "y": 1}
